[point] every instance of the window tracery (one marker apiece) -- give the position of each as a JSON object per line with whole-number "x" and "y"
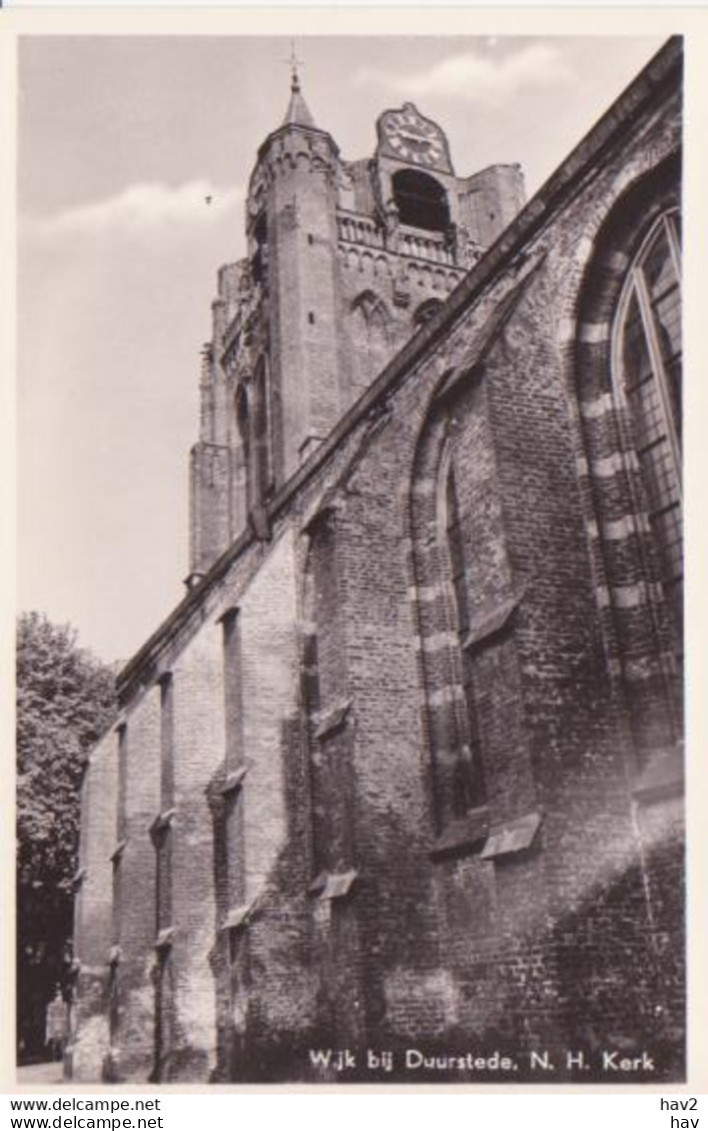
{"x": 647, "y": 357}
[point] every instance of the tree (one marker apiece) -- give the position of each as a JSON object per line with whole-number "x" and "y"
{"x": 65, "y": 700}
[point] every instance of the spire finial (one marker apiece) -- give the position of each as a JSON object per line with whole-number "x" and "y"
{"x": 297, "y": 113}
{"x": 294, "y": 64}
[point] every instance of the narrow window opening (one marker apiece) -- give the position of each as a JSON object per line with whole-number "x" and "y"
{"x": 121, "y": 830}
{"x": 234, "y": 755}
{"x": 231, "y": 628}
{"x": 167, "y": 783}
{"x": 261, "y": 433}
{"x": 468, "y": 779}
{"x": 164, "y": 1005}
{"x": 243, "y": 425}
{"x": 259, "y": 259}
{"x": 117, "y": 859}
{"x": 163, "y": 830}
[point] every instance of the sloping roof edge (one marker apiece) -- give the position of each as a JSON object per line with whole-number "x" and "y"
{"x": 613, "y": 124}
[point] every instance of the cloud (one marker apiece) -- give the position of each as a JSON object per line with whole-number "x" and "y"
{"x": 483, "y": 78}
{"x": 140, "y": 208}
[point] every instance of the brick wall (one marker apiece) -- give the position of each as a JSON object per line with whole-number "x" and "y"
{"x": 328, "y": 886}
{"x": 135, "y": 924}
{"x": 94, "y": 911}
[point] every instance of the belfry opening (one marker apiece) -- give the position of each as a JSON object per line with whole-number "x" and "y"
{"x": 421, "y": 200}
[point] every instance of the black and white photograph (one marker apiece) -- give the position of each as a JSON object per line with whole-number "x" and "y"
{"x": 350, "y": 692}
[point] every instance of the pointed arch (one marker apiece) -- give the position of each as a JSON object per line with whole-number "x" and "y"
{"x": 467, "y": 606}
{"x": 371, "y": 335}
{"x": 627, "y": 364}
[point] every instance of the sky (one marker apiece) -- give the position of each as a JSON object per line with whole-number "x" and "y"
{"x": 121, "y": 140}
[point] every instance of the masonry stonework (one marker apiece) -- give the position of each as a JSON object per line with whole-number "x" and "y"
{"x": 423, "y": 723}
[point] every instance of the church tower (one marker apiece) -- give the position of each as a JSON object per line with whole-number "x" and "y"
{"x": 346, "y": 260}
{"x": 292, "y": 236}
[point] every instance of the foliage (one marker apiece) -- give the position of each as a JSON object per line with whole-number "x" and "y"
{"x": 65, "y": 700}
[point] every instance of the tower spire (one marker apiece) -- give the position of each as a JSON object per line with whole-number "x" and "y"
{"x": 298, "y": 113}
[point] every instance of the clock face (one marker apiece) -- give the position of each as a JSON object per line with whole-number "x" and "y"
{"x": 414, "y": 139}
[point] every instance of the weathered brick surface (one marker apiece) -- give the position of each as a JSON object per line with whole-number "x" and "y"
{"x": 491, "y": 201}
{"x": 198, "y": 744}
{"x": 361, "y": 693}
{"x": 94, "y": 911}
{"x": 332, "y": 287}
{"x": 135, "y": 925}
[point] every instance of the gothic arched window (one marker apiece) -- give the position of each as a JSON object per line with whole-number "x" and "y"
{"x": 647, "y": 376}
{"x": 465, "y": 607}
{"x": 371, "y": 337}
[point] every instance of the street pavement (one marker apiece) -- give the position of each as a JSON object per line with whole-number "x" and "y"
{"x": 51, "y": 1072}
